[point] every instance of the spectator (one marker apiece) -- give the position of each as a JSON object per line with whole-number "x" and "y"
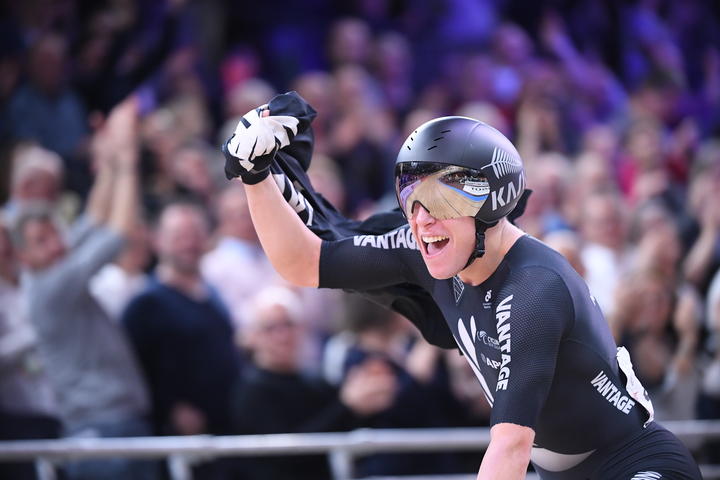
{"x": 37, "y": 176}
{"x": 237, "y": 267}
{"x": 511, "y": 50}
{"x": 352, "y": 145}
{"x": 245, "y": 96}
{"x": 122, "y": 46}
{"x": 45, "y": 109}
{"x": 350, "y": 43}
{"x": 591, "y": 173}
{"x": 385, "y": 338}
{"x": 324, "y": 174}
{"x": 182, "y": 333}
{"x": 27, "y": 404}
{"x": 644, "y": 158}
{"x": 393, "y": 68}
{"x": 118, "y": 282}
{"x": 99, "y": 389}
{"x": 191, "y": 171}
{"x": 548, "y": 174}
{"x": 603, "y": 230}
{"x": 711, "y": 385}
{"x": 276, "y": 396}
{"x": 658, "y": 318}
{"x": 703, "y": 257}
{"x": 709, "y": 401}
{"x": 176, "y": 127}
{"x": 318, "y": 88}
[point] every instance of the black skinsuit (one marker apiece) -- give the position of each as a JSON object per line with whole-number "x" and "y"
{"x": 541, "y": 349}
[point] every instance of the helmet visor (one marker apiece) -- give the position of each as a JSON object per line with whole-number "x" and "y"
{"x": 445, "y": 191}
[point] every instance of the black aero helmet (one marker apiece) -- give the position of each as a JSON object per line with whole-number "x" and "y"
{"x": 459, "y": 166}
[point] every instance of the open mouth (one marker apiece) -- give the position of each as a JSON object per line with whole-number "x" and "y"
{"x": 435, "y": 244}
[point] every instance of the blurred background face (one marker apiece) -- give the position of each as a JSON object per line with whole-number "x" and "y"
{"x": 644, "y": 145}
{"x": 40, "y": 185}
{"x": 36, "y": 174}
{"x": 42, "y": 246}
{"x": 190, "y": 170}
{"x": 318, "y": 89}
{"x": 326, "y": 179}
{"x": 247, "y": 96}
{"x": 654, "y": 304}
{"x": 646, "y": 297}
{"x": 234, "y": 215}
{"x": 46, "y": 66}
{"x": 393, "y": 56}
{"x": 512, "y": 44}
{"x": 601, "y": 140}
{"x": 138, "y": 249}
{"x": 350, "y": 42}
{"x": 275, "y": 340}
{"x": 182, "y": 238}
{"x": 603, "y": 222}
{"x": 658, "y": 244}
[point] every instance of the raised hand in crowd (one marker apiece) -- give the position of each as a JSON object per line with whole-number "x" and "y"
{"x": 700, "y": 258}
{"x": 187, "y": 420}
{"x": 115, "y": 153}
{"x": 369, "y": 388}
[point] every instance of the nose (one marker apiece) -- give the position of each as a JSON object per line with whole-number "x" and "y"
{"x": 421, "y": 215}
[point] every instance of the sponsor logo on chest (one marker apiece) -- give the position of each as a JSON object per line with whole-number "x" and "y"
{"x": 487, "y": 304}
{"x": 502, "y": 318}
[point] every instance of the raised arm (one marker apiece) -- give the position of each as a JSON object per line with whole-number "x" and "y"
{"x": 122, "y": 126}
{"x": 114, "y": 197}
{"x": 292, "y": 248}
{"x": 280, "y": 213}
{"x": 100, "y": 197}
{"x": 699, "y": 259}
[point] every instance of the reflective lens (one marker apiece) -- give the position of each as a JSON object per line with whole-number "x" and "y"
{"x": 445, "y": 191}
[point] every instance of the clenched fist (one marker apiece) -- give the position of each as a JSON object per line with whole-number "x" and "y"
{"x": 257, "y": 138}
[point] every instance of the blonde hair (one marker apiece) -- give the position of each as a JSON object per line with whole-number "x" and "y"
{"x": 29, "y": 158}
{"x": 276, "y": 296}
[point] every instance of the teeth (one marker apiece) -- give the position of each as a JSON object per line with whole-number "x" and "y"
{"x": 434, "y": 239}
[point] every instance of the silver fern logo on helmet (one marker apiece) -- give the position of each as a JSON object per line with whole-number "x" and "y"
{"x": 503, "y": 163}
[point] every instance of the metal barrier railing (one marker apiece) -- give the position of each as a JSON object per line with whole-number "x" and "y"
{"x": 182, "y": 452}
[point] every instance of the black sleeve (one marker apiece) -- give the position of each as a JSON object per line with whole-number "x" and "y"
{"x": 537, "y": 307}
{"x": 365, "y": 262}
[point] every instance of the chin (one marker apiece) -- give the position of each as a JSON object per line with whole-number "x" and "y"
{"x": 441, "y": 272}
{"x": 442, "y": 276}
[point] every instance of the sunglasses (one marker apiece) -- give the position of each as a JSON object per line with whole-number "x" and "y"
{"x": 445, "y": 191}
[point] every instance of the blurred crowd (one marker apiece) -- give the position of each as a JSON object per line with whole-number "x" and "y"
{"x": 136, "y": 300}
